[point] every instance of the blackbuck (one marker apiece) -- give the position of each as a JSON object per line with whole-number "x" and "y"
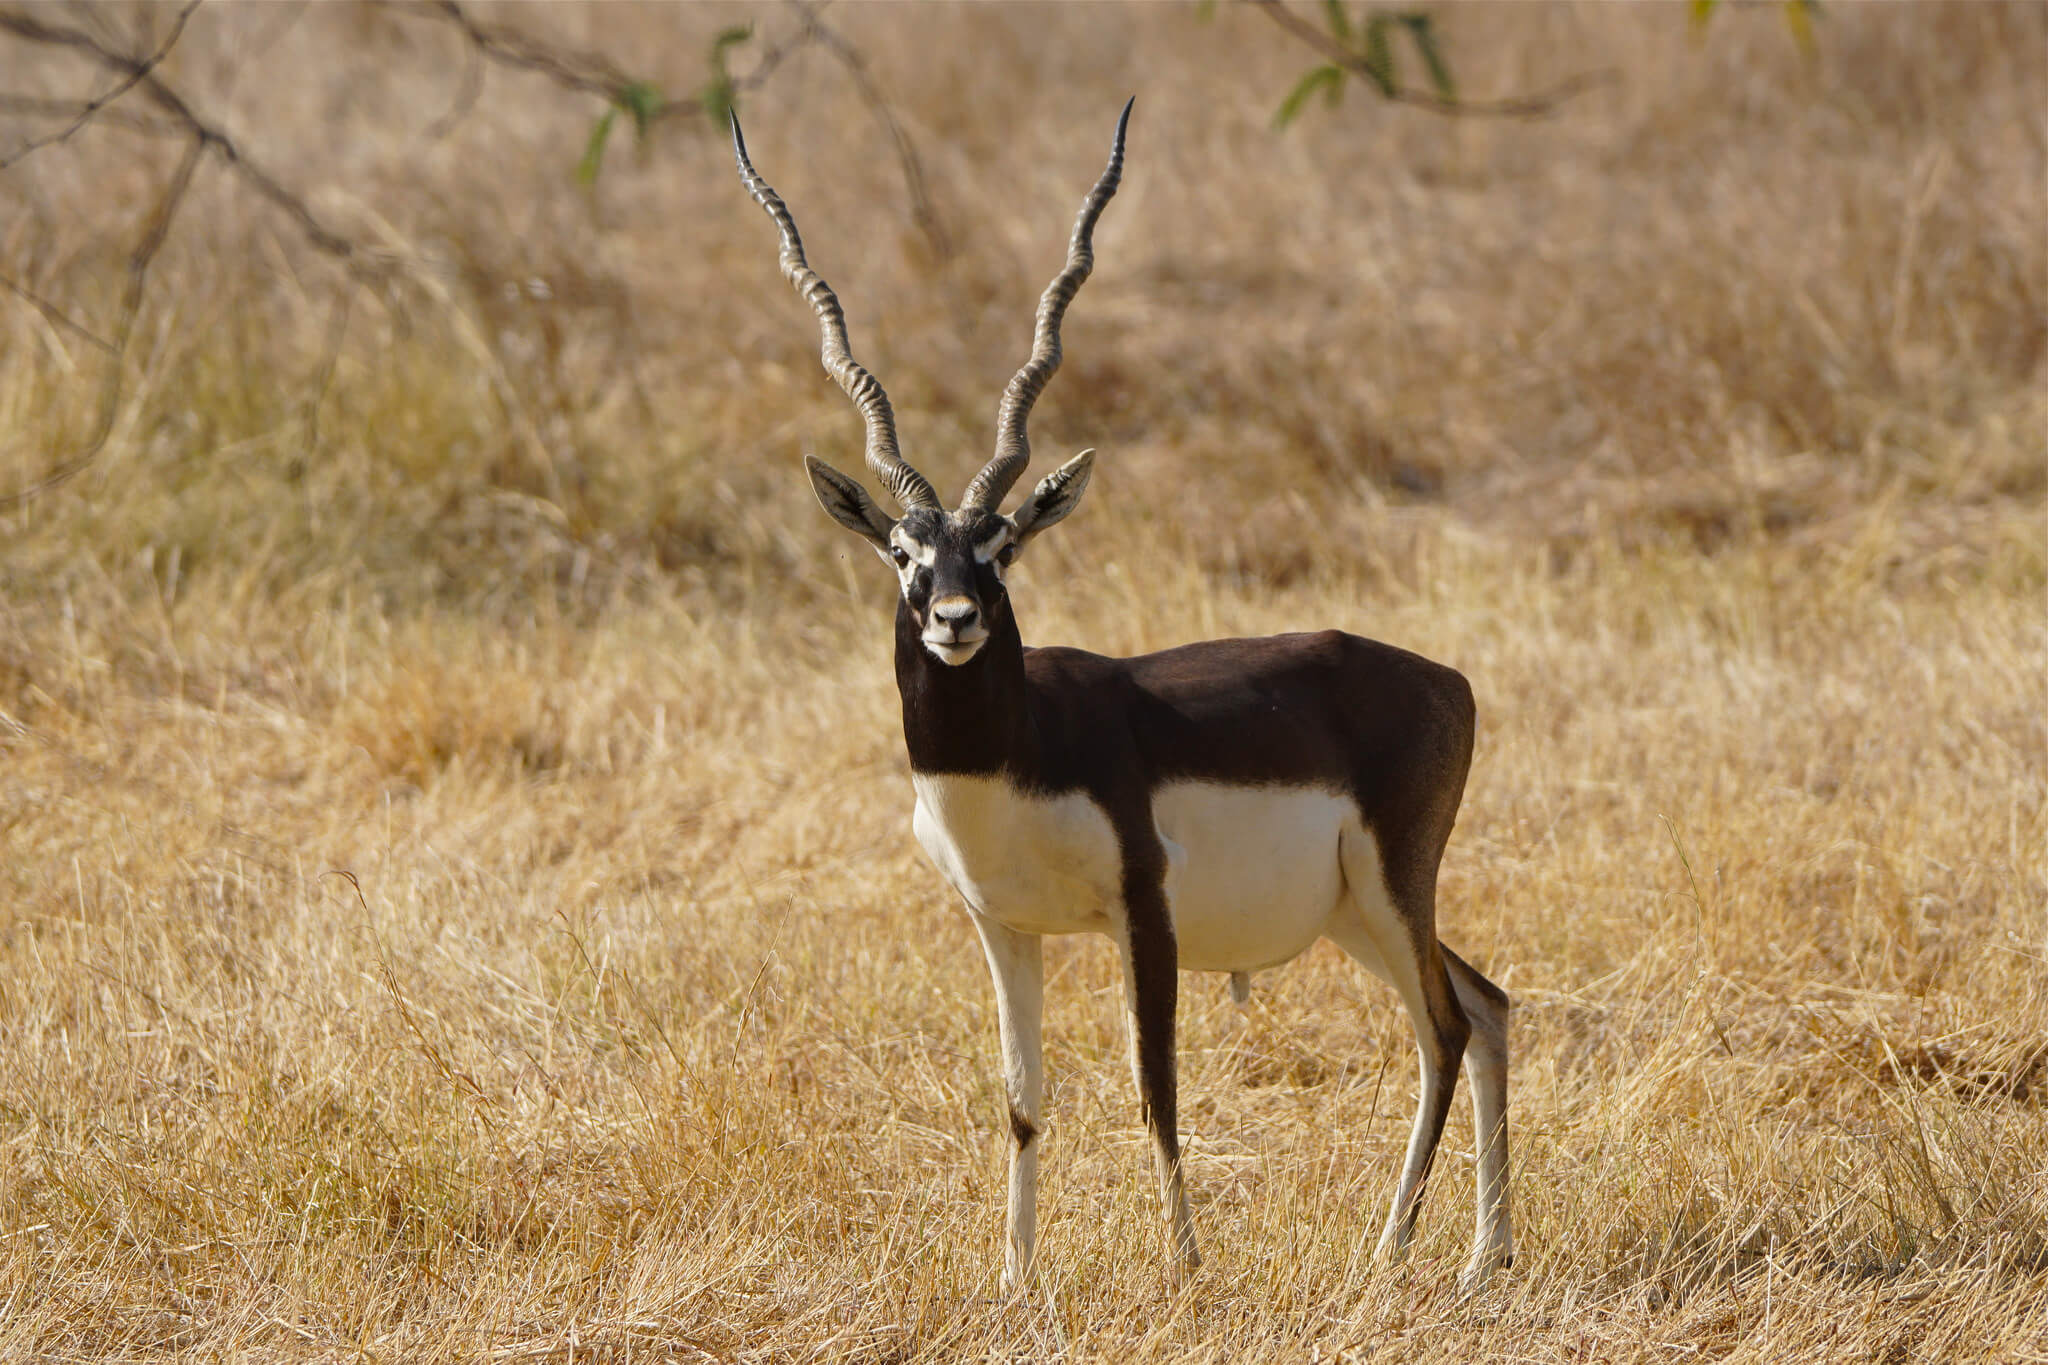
{"x": 1216, "y": 807}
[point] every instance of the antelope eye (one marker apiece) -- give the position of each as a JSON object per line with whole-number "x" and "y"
{"x": 902, "y": 558}
{"x": 1007, "y": 555}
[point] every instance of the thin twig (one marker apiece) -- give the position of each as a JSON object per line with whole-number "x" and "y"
{"x": 87, "y": 111}
{"x": 772, "y": 57}
{"x": 588, "y": 73}
{"x": 210, "y": 135}
{"x": 592, "y": 73}
{"x": 922, "y": 210}
{"x": 55, "y": 314}
{"x": 1539, "y": 105}
{"x": 43, "y": 106}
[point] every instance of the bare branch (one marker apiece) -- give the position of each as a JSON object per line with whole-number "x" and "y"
{"x": 922, "y": 210}
{"x": 592, "y": 73}
{"x": 1539, "y": 105}
{"x": 86, "y": 112}
{"x": 173, "y": 116}
{"x": 40, "y": 106}
{"x": 588, "y": 72}
{"x": 773, "y": 56}
{"x": 201, "y": 137}
{"x": 210, "y": 136}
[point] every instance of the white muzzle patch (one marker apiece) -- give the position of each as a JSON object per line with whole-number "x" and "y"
{"x": 953, "y": 631}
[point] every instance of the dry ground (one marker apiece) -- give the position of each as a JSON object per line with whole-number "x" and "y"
{"x": 456, "y": 900}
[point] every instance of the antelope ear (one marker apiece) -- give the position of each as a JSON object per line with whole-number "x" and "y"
{"x": 849, "y": 504}
{"x": 1057, "y": 494}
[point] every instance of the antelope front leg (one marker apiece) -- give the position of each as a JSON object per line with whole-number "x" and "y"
{"x": 1018, "y": 966}
{"x": 1151, "y": 994}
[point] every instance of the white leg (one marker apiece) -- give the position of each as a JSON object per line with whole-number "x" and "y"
{"x": 1380, "y": 937}
{"x": 1017, "y": 964}
{"x": 1486, "y": 1064}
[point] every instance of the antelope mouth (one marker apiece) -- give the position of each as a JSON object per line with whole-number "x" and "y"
{"x": 955, "y": 652}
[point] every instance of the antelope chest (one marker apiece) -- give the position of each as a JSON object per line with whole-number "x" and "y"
{"x": 1040, "y": 864}
{"x": 1253, "y": 877}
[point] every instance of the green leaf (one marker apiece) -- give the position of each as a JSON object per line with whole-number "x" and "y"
{"x": 1205, "y": 10}
{"x": 1424, "y": 33}
{"x": 728, "y": 38}
{"x": 1379, "y": 53}
{"x": 1327, "y": 78}
{"x": 593, "y": 154}
{"x": 643, "y": 102}
{"x": 1702, "y": 10}
{"x": 1340, "y": 22}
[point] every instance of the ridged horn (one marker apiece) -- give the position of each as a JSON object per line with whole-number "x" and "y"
{"x": 906, "y": 485}
{"x": 1013, "y": 448}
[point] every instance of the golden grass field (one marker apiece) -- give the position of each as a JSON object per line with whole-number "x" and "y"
{"x": 456, "y": 894}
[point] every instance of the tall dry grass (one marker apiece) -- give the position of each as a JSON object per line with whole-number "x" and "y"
{"x": 458, "y": 899}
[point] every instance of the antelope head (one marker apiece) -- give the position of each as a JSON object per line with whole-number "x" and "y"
{"x": 949, "y": 564}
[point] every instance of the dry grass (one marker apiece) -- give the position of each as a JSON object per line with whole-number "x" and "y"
{"x": 458, "y": 899}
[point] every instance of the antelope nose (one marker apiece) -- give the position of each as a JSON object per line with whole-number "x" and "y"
{"x": 957, "y": 613}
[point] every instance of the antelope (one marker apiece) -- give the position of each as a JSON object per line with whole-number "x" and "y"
{"x": 1215, "y": 807}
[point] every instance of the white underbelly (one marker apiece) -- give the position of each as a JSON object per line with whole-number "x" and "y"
{"x": 1257, "y": 876}
{"x": 1254, "y": 873}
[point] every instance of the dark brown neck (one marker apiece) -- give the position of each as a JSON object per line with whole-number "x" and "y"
{"x": 964, "y": 718}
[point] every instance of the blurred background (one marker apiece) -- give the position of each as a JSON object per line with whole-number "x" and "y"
{"x": 1745, "y": 273}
